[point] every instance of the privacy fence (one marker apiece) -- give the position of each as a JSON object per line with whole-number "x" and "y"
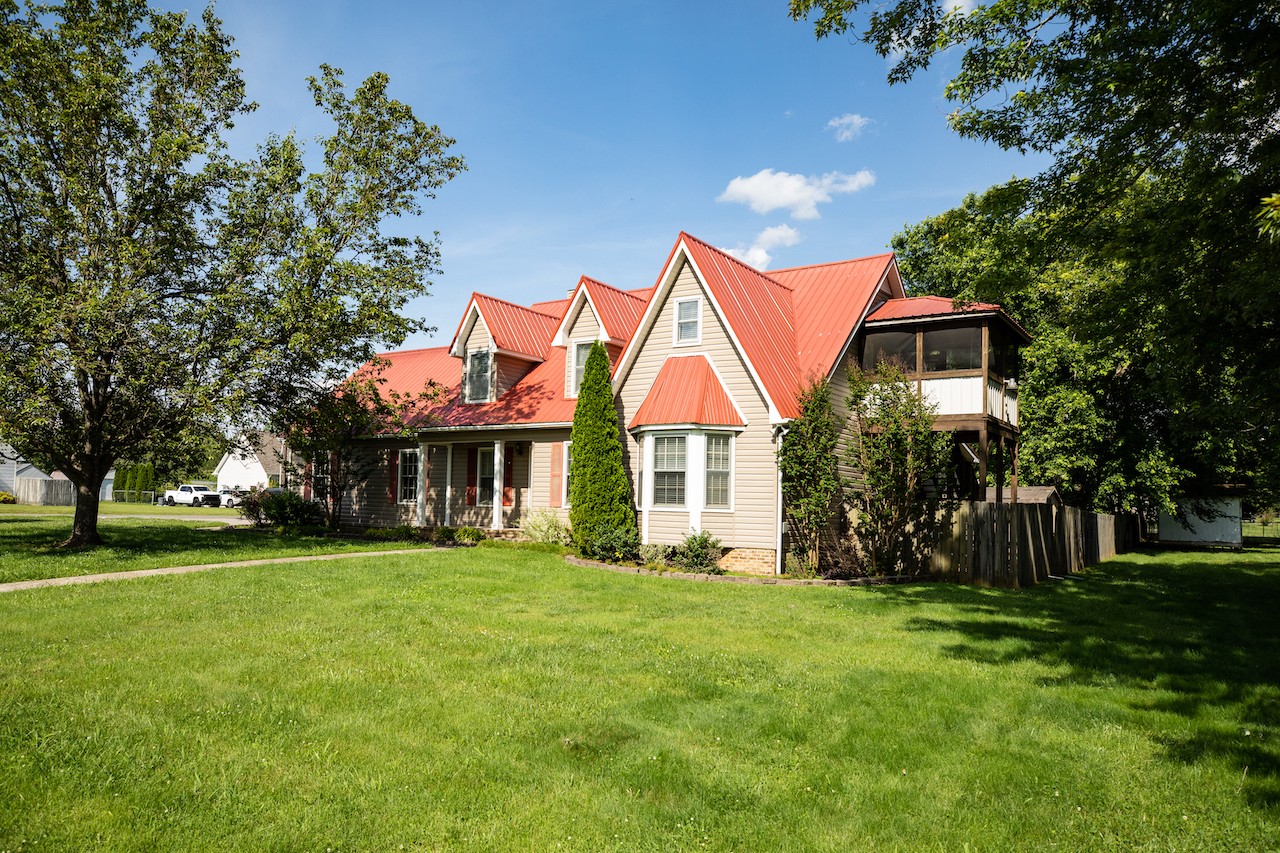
{"x": 29, "y": 490}
{"x": 1018, "y": 545}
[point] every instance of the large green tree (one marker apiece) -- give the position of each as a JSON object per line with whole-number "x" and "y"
{"x": 1160, "y": 120}
{"x": 599, "y": 491}
{"x": 155, "y": 290}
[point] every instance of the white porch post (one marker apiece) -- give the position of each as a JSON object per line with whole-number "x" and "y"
{"x": 424, "y": 462}
{"x": 448, "y": 483}
{"x": 646, "y": 485}
{"x": 497, "y": 484}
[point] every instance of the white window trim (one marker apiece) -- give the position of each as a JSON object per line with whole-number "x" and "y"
{"x": 733, "y": 469}
{"x": 400, "y": 496}
{"x": 573, "y": 364}
{"x": 480, "y": 476}
{"x": 565, "y": 458}
{"x": 466, "y": 383}
{"x": 653, "y": 475}
{"x": 675, "y": 323}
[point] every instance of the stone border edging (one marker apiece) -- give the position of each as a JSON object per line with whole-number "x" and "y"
{"x": 71, "y": 580}
{"x": 772, "y": 580}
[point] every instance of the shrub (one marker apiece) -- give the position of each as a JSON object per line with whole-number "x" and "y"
{"x": 290, "y": 510}
{"x": 599, "y": 489}
{"x": 655, "y": 554}
{"x": 6, "y": 498}
{"x": 615, "y": 545}
{"x": 469, "y": 535}
{"x": 443, "y": 535}
{"x": 403, "y": 533}
{"x": 545, "y": 526}
{"x": 251, "y": 508}
{"x": 699, "y": 552}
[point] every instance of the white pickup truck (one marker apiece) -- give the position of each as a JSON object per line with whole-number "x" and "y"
{"x": 189, "y": 495}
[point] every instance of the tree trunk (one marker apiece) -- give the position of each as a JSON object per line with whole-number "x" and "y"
{"x": 84, "y": 530}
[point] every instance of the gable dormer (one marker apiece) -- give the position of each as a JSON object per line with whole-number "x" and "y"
{"x": 498, "y": 343}
{"x": 596, "y": 312}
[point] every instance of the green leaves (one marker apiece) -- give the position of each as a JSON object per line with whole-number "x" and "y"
{"x": 599, "y": 489}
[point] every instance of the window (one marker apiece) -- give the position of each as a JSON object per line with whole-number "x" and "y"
{"x": 953, "y": 349}
{"x": 890, "y": 346}
{"x": 688, "y": 321}
{"x": 580, "y": 353}
{"x": 718, "y": 471}
{"x": 408, "y": 476}
{"x": 668, "y": 470}
{"x": 478, "y": 376}
{"x": 320, "y": 478}
{"x": 486, "y": 476}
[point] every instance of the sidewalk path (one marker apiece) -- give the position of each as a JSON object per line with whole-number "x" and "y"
{"x": 181, "y": 570}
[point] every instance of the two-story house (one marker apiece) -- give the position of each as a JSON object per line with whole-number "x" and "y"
{"x": 707, "y": 366}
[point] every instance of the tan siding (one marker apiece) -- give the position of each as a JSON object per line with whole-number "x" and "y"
{"x": 585, "y": 327}
{"x": 479, "y": 337}
{"x": 540, "y": 488}
{"x": 367, "y": 505}
{"x": 753, "y": 522}
{"x": 510, "y": 371}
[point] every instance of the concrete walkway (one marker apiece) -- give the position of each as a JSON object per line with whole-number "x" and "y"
{"x": 182, "y": 570}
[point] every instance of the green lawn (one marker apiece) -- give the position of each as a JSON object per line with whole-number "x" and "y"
{"x": 495, "y": 699}
{"x": 28, "y": 546}
{"x": 109, "y": 508}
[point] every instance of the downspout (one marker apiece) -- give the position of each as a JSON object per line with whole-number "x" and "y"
{"x": 779, "y": 433}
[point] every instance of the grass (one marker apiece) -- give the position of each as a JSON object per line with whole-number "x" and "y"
{"x": 28, "y": 546}
{"x": 497, "y": 698}
{"x": 1254, "y": 530}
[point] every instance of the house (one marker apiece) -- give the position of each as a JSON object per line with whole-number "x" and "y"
{"x": 257, "y": 463}
{"x": 707, "y": 366}
{"x": 13, "y": 466}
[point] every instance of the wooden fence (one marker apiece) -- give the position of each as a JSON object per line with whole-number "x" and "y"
{"x": 1019, "y": 545}
{"x": 38, "y": 492}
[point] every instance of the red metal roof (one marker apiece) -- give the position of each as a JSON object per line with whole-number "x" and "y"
{"x": 911, "y": 307}
{"x": 687, "y": 391}
{"x": 514, "y": 328}
{"x": 759, "y": 312}
{"x": 829, "y": 299}
{"x": 619, "y": 311}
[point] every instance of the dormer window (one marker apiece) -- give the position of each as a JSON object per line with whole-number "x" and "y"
{"x": 688, "y": 321}
{"x": 478, "y": 376}
{"x": 581, "y": 351}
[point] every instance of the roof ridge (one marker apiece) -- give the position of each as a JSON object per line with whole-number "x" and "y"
{"x": 834, "y": 263}
{"x": 740, "y": 262}
{"x": 626, "y": 293}
{"x": 444, "y": 347}
{"x": 517, "y": 304}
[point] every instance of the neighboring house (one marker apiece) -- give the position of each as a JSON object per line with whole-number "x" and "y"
{"x": 13, "y": 466}
{"x": 707, "y": 366}
{"x": 258, "y": 464}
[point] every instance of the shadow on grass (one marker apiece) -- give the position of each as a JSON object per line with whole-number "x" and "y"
{"x": 1191, "y": 634}
{"x": 125, "y": 538}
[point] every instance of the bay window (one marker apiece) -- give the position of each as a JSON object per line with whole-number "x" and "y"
{"x": 668, "y": 470}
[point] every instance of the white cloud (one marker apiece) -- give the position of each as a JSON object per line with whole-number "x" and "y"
{"x": 848, "y": 126}
{"x": 768, "y": 190}
{"x": 757, "y": 254}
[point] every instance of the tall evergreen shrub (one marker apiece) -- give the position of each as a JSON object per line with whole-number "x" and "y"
{"x": 599, "y": 490}
{"x": 811, "y": 485}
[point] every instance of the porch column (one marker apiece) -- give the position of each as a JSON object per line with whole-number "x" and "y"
{"x": 646, "y": 484}
{"x": 984, "y": 448}
{"x": 999, "y": 469}
{"x": 448, "y": 483}
{"x": 424, "y": 474}
{"x": 497, "y": 484}
{"x": 1013, "y": 476}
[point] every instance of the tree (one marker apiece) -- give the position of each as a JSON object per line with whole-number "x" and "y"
{"x": 812, "y": 488}
{"x": 331, "y": 430}
{"x": 903, "y": 462}
{"x": 599, "y": 490}
{"x": 1160, "y": 119}
{"x": 157, "y": 291}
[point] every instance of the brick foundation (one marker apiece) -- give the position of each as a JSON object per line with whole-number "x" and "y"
{"x": 754, "y": 561}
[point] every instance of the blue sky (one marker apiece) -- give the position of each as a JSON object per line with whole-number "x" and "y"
{"x": 595, "y": 132}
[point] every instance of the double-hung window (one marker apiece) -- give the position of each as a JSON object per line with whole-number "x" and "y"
{"x": 408, "y": 476}
{"x": 688, "y": 321}
{"x": 718, "y": 462}
{"x": 485, "y": 476}
{"x": 669, "y": 466}
{"x": 478, "y": 372}
{"x": 581, "y": 351}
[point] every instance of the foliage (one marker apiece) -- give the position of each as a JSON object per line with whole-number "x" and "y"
{"x": 599, "y": 490}
{"x": 329, "y": 430}
{"x": 251, "y": 509}
{"x": 903, "y": 462}
{"x": 1269, "y": 217}
{"x": 1265, "y": 517}
{"x": 655, "y": 554}
{"x": 288, "y": 509}
{"x": 469, "y": 535}
{"x": 543, "y": 525}
{"x": 402, "y": 533}
{"x": 812, "y": 488}
{"x": 158, "y": 290}
{"x": 613, "y": 545}
{"x": 6, "y": 498}
{"x": 444, "y": 535}
{"x": 699, "y": 552}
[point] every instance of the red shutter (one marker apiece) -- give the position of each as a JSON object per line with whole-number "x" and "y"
{"x": 473, "y": 460}
{"x": 557, "y": 472}
{"x": 393, "y": 475}
{"x": 509, "y": 475}
{"x": 307, "y": 473}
